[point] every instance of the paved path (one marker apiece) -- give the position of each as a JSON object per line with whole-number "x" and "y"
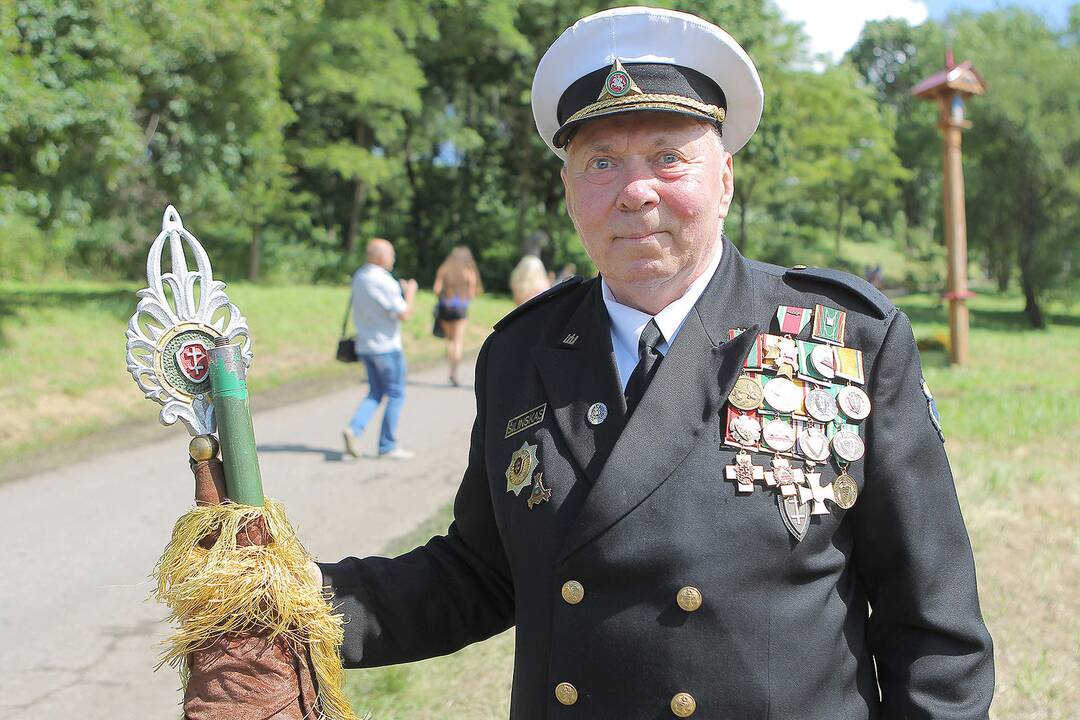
{"x": 78, "y": 637}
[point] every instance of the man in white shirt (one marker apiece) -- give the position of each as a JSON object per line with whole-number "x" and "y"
{"x": 379, "y": 305}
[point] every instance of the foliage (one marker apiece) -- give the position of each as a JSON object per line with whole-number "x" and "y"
{"x": 1021, "y": 154}
{"x": 289, "y": 132}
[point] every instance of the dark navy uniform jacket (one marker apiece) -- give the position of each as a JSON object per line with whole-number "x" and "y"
{"x": 874, "y": 614}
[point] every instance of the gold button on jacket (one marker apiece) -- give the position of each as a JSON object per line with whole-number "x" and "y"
{"x": 689, "y": 598}
{"x": 573, "y": 592}
{"x": 683, "y": 705}
{"x": 567, "y": 693}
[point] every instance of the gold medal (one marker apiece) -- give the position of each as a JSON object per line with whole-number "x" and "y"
{"x": 845, "y": 491}
{"x": 747, "y": 393}
{"x": 522, "y": 463}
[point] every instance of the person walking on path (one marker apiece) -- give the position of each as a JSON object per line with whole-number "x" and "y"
{"x": 457, "y": 282}
{"x": 528, "y": 279}
{"x": 380, "y": 303}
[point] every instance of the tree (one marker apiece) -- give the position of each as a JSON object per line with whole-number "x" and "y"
{"x": 1025, "y": 146}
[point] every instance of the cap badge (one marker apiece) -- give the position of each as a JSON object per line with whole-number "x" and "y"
{"x": 619, "y": 83}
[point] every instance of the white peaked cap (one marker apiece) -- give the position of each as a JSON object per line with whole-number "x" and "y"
{"x": 657, "y": 37}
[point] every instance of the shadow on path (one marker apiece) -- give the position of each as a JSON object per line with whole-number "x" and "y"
{"x": 328, "y": 454}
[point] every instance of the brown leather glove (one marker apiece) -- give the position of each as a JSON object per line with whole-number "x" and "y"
{"x": 245, "y": 677}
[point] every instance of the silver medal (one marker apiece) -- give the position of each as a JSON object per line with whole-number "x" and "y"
{"x": 824, "y": 361}
{"x": 814, "y": 444}
{"x": 779, "y": 435}
{"x": 854, "y": 402}
{"x": 821, "y": 405}
{"x": 848, "y": 445}
{"x": 597, "y": 413}
{"x": 783, "y": 395}
{"x": 746, "y": 430}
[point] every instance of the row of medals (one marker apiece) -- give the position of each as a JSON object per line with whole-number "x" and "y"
{"x": 808, "y": 419}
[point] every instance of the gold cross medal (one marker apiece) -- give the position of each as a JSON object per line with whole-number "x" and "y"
{"x": 522, "y": 464}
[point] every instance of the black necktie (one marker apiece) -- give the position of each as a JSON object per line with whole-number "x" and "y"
{"x": 648, "y": 360}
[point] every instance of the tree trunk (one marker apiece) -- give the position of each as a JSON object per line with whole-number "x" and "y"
{"x": 359, "y": 192}
{"x": 255, "y": 254}
{"x": 1026, "y": 255}
{"x": 1031, "y": 297}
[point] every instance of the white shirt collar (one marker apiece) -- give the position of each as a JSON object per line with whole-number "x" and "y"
{"x": 627, "y": 322}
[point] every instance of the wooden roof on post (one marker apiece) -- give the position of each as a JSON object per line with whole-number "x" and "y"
{"x": 962, "y": 78}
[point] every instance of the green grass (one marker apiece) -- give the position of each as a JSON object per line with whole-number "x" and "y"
{"x": 1012, "y": 422}
{"x": 62, "y": 370}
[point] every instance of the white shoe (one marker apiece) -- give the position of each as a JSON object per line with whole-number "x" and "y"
{"x": 397, "y": 454}
{"x": 352, "y": 448}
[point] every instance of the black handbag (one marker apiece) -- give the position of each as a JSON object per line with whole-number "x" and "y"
{"x": 436, "y": 325}
{"x": 346, "y": 346}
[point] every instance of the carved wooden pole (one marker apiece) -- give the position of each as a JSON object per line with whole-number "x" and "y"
{"x": 949, "y": 88}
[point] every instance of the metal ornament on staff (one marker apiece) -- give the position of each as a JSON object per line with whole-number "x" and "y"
{"x": 233, "y": 568}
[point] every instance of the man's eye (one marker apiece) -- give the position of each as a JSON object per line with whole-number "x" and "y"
{"x": 601, "y": 164}
{"x": 669, "y": 158}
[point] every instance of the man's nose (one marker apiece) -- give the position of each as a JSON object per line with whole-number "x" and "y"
{"x": 639, "y": 191}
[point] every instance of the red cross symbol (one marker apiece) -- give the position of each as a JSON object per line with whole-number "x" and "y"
{"x": 192, "y": 359}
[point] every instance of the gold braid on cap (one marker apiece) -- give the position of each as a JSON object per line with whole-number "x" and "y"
{"x": 650, "y": 101}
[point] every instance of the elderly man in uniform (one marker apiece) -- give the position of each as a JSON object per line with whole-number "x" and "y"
{"x": 698, "y": 485}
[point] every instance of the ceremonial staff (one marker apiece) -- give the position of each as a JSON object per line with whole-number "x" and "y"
{"x": 233, "y": 568}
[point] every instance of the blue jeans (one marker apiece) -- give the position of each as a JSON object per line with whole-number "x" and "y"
{"x": 386, "y": 378}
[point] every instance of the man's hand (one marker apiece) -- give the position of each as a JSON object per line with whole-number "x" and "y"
{"x": 408, "y": 291}
{"x": 246, "y": 676}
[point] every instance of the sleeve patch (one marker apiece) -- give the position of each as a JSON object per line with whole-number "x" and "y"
{"x": 931, "y": 408}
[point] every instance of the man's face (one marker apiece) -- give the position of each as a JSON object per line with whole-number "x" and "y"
{"x": 648, "y": 193}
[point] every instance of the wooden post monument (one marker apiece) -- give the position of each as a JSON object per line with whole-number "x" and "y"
{"x": 949, "y": 88}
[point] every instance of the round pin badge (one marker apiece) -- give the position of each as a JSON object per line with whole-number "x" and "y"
{"x": 747, "y": 394}
{"x": 783, "y": 395}
{"x": 618, "y": 83}
{"x": 846, "y": 491}
{"x": 779, "y": 435}
{"x": 854, "y": 402}
{"x": 848, "y": 445}
{"x": 597, "y": 413}
{"x": 821, "y": 405}
{"x": 814, "y": 444}
{"x": 824, "y": 361}
{"x": 746, "y": 430}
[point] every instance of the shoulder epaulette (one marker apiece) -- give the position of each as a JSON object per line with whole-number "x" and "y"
{"x": 570, "y": 282}
{"x": 874, "y": 297}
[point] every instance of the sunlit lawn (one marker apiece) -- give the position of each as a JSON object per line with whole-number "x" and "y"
{"x": 62, "y": 368}
{"x": 1012, "y": 421}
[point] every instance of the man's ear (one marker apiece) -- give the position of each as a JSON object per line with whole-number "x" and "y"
{"x": 567, "y": 194}
{"x": 727, "y": 179}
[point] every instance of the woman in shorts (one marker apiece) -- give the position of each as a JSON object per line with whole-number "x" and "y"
{"x": 457, "y": 282}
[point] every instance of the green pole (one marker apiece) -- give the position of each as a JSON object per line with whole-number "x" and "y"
{"x": 228, "y": 385}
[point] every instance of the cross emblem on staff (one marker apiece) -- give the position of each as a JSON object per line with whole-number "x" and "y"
{"x": 192, "y": 359}
{"x": 744, "y": 472}
{"x": 194, "y": 355}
